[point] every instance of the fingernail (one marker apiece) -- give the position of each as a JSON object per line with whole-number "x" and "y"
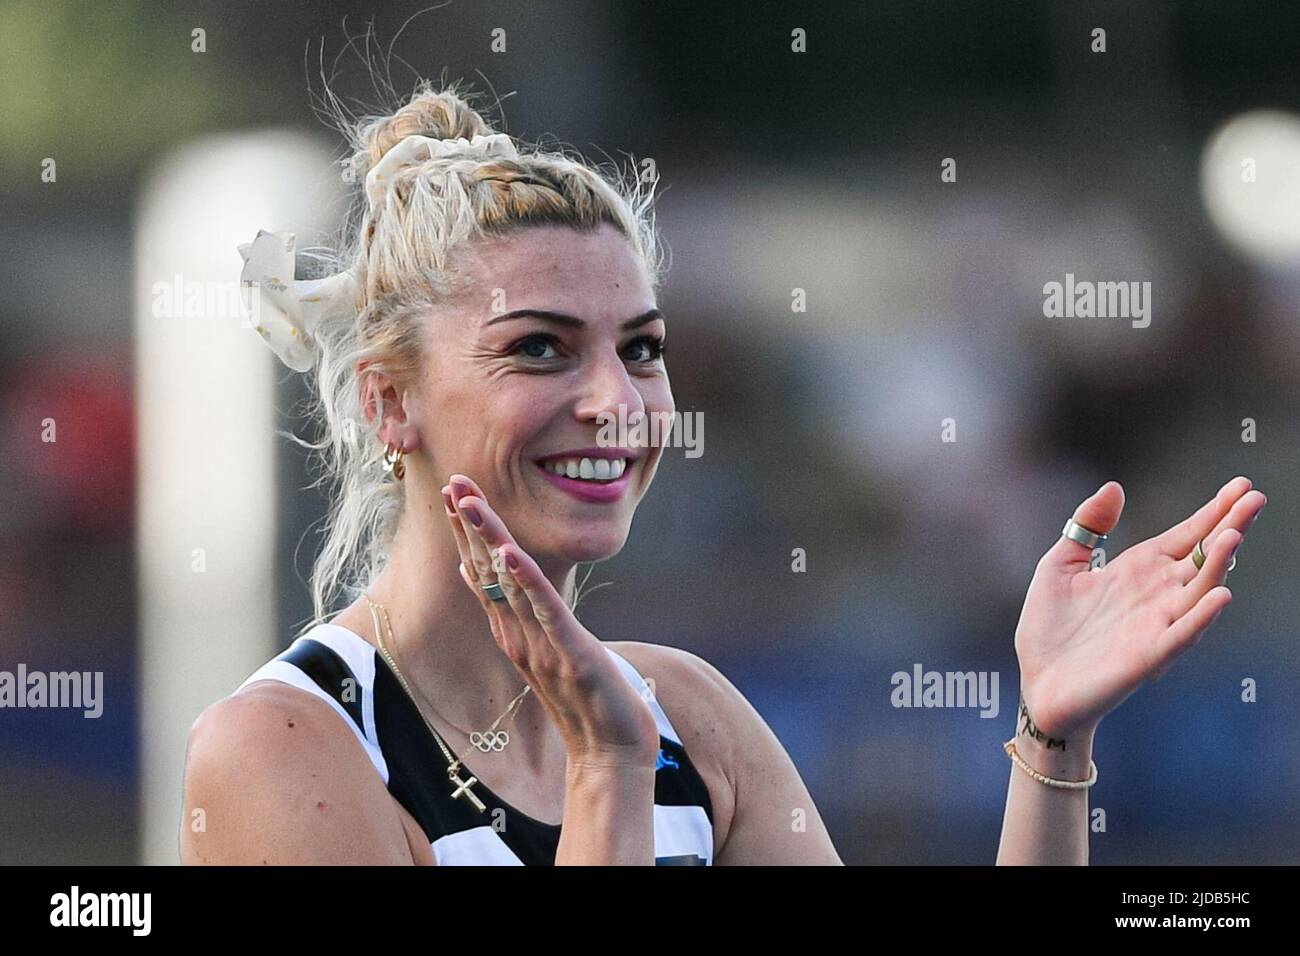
{"x": 459, "y": 490}
{"x": 512, "y": 562}
{"x": 474, "y": 517}
{"x": 446, "y": 503}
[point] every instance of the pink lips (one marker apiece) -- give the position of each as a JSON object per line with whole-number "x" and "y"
{"x": 601, "y": 493}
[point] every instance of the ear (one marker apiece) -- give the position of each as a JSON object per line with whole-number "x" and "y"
{"x": 396, "y": 428}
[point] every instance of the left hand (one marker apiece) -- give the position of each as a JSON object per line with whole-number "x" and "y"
{"x": 1088, "y": 638}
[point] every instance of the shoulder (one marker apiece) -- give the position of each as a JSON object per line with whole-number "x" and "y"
{"x": 266, "y": 721}
{"x": 692, "y": 691}
{"x": 709, "y": 714}
{"x": 673, "y": 664}
{"x": 770, "y": 817}
{"x": 697, "y": 696}
{"x": 272, "y": 774}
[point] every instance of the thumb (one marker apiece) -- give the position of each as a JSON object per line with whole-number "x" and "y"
{"x": 1099, "y": 513}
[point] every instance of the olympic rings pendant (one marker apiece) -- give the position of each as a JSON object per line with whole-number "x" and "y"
{"x": 492, "y": 740}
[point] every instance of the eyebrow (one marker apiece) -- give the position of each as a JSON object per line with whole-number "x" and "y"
{"x": 560, "y": 318}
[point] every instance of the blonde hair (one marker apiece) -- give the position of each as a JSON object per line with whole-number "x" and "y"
{"x": 404, "y": 254}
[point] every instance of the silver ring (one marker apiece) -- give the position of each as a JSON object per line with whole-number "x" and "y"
{"x": 1077, "y": 532}
{"x": 494, "y": 592}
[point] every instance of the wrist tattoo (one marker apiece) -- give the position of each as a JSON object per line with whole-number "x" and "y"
{"x": 1030, "y": 729}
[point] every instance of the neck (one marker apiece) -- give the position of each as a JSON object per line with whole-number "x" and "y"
{"x": 441, "y": 636}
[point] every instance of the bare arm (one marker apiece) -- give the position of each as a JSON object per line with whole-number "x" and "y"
{"x": 608, "y": 816}
{"x": 1089, "y": 636}
{"x": 775, "y": 821}
{"x": 273, "y": 777}
{"x": 1046, "y": 825}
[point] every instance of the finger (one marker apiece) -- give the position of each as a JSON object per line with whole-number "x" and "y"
{"x": 495, "y": 537}
{"x": 486, "y": 538}
{"x": 462, "y": 539}
{"x": 500, "y": 632}
{"x": 506, "y": 637}
{"x": 1240, "y": 518}
{"x": 471, "y": 520}
{"x": 486, "y": 532}
{"x": 1187, "y": 630}
{"x": 515, "y": 594}
{"x": 1211, "y": 576}
{"x": 486, "y": 563}
{"x": 548, "y": 608}
{"x": 1099, "y": 514}
{"x": 1179, "y": 540}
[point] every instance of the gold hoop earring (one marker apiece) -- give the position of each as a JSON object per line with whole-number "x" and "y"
{"x": 393, "y": 462}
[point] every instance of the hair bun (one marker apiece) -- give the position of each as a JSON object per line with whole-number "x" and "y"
{"x": 442, "y": 114}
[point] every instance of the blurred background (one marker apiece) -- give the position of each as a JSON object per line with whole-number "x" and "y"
{"x": 164, "y": 536}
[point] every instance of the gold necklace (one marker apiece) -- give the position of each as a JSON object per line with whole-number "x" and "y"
{"x": 485, "y": 742}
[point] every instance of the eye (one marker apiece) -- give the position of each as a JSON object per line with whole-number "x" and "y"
{"x": 647, "y": 349}
{"x": 535, "y": 346}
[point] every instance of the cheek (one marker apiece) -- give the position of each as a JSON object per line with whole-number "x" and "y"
{"x": 658, "y": 398}
{"x": 508, "y": 433}
{"x": 657, "y": 395}
{"x": 474, "y": 420}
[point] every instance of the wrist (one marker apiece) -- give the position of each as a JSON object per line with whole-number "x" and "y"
{"x": 603, "y": 771}
{"x": 1074, "y": 763}
{"x": 1062, "y": 755}
{"x": 608, "y": 814}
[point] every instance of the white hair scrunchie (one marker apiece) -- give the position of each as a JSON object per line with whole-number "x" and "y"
{"x": 285, "y": 311}
{"x": 414, "y": 150}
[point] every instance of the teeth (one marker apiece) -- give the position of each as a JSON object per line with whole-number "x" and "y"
{"x": 589, "y": 469}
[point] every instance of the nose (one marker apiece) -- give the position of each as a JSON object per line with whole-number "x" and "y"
{"x": 606, "y": 386}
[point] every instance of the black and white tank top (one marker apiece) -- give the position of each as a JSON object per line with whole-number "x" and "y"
{"x": 347, "y": 672}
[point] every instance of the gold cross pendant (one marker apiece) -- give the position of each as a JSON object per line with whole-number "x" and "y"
{"x": 463, "y": 787}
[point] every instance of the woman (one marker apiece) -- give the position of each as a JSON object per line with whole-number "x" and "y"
{"x": 500, "y": 309}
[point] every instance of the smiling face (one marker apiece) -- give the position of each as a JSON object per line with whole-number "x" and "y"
{"x": 560, "y": 327}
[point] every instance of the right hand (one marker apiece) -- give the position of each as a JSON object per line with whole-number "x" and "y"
{"x": 1089, "y": 637}
{"x": 605, "y": 722}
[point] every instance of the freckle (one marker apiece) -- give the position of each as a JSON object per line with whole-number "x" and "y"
{"x": 291, "y": 723}
{"x": 320, "y": 804}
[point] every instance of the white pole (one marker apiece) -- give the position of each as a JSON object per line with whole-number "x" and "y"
{"x": 206, "y": 416}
